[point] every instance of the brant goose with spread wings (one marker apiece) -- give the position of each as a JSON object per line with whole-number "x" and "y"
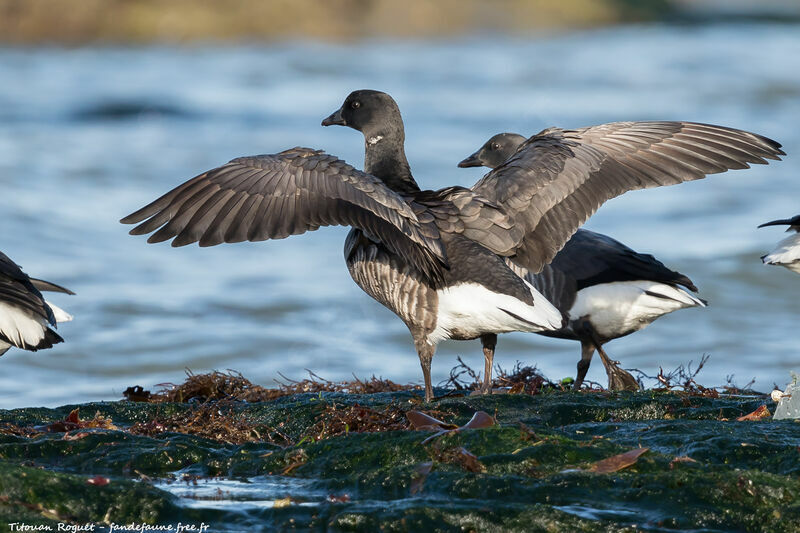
{"x": 26, "y": 318}
{"x": 606, "y": 289}
{"x": 437, "y": 258}
{"x": 787, "y": 253}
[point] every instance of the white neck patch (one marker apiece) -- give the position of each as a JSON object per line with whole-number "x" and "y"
{"x": 374, "y": 140}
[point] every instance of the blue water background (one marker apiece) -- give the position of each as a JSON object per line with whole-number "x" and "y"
{"x": 88, "y": 135}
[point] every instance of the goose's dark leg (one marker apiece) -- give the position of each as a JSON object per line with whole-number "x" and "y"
{"x": 425, "y": 352}
{"x": 489, "y": 342}
{"x": 587, "y": 351}
{"x": 618, "y": 379}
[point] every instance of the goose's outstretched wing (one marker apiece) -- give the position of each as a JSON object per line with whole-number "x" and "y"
{"x": 274, "y": 196}
{"x": 558, "y": 178}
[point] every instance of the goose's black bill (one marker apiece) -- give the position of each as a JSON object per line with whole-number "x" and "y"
{"x": 794, "y": 221}
{"x": 334, "y": 119}
{"x": 274, "y": 196}
{"x": 471, "y": 161}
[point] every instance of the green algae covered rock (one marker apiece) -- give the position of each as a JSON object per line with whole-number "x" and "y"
{"x": 46, "y": 495}
{"x": 558, "y": 461}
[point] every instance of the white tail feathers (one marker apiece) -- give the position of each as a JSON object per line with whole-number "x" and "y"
{"x": 677, "y": 293}
{"x": 60, "y": 314}
{"x": 619, "y": 308}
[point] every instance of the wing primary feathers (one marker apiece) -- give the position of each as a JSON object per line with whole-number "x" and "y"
{"x": 48, "y": 286}
{"x": 160, "y": 203}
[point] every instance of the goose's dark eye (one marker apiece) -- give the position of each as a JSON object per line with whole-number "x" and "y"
{"x": 355, "y": 105}
{"x": 495, "y": 146}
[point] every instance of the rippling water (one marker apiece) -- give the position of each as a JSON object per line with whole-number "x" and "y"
{"x": 88, "y": 135}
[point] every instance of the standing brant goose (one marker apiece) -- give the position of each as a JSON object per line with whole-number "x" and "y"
{"x": 787, "y": 253}
{"x": 437, "y": 258}
{"x": 26, "y": 318}
{"x": 606, "y": 289}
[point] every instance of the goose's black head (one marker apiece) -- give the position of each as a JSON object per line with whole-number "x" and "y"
{"x": 494, "y": 151}
{"x": 376, "y": 115}
{"x": 373, "y": 113}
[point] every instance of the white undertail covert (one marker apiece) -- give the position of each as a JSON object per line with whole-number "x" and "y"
{"x": 469, "y": 310}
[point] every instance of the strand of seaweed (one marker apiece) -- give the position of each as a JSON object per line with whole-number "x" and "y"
{"x": 214, "y": 402}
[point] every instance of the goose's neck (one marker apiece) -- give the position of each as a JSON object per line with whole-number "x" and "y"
{"x": 385, "y": 158}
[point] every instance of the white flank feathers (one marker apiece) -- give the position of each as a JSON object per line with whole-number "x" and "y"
{"x": 786, "y": 254}
{"x": 469, "y": 310}
{"x": 623, "y": 307}
{"x": 20, "y": 327}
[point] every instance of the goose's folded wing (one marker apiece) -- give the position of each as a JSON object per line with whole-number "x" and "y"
{"x": 559, "y": 178}
{"x": 274, "y": 196}
{"x": 592, "y": 258}
{"x": 16, "y": 290}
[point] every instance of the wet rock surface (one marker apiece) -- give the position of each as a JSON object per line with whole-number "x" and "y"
{"x": 556, "y": 461}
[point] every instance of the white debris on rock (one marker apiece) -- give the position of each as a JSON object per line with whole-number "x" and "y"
{"x": 788, "y": 401}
